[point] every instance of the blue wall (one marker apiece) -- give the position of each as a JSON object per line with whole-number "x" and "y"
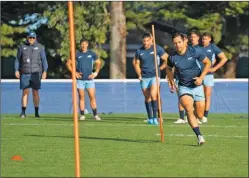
{"x": 120, "y": 97}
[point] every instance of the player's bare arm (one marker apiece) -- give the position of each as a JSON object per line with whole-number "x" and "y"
{"x": 223, "y": 60}
{"x": 171, "y": 83}
{"x": 164, "y": 57}
{"x": 170, "y": 74}
{"x": 207, "y": 65}
{"x": 136, "y": 64}
{"x": 97, "y": 69}
{"x": 98, "y": 65}
{"x": 69, "y": 67}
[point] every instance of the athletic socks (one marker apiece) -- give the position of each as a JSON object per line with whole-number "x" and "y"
{"x": 154, "y": 108}
{"x": 197, "y": 131}
{"x": 206, "y": 113}
{"x": 148, "y": 106}
{"x": 181, "y": 114}
{"x": 94, "y": 111}
{"x": 23, "y": 110}
{"x": 82, "y": 112}
{"x": 36, "y": 110}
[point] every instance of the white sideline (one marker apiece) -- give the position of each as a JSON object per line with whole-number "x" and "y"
{"x": 132, "y": 125}
{"x": 114, "y": 80}
{"x": 220, "y": 136}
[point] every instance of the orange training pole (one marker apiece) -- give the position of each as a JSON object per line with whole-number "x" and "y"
{"x": 158, "y": 90}
{"x": 75, "y": 106}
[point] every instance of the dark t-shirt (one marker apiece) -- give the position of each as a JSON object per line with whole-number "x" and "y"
{"x": 186, "y": 66}
{"x": 211, "y": 51}
{"x": 84, "y": 63}
{"x": 147, "y": 62}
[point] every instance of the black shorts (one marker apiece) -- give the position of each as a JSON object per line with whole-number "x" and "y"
{"x": 32, "y": 80}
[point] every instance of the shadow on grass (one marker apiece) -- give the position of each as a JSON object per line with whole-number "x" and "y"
{"x": 104, "y": 119}
{"x": 98, "y": 138}
{"x": 42, "y": 117}
{"x": 192, "y": 145}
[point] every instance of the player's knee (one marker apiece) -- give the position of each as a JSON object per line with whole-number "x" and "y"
{"x": 208, "y": 93}
{"x": 147, "y": 98}
{"x": 189, "y": 112}
{"x": 187, "y": 107}
{"x": 199, "y": 114}
{"x": 35, "y": 92}
{"x": 82, "y": 99}
{"x": 207, "y": 96}
{"x": 92, "y": 97}
{"x": 25, "y": 92}
{"x": 154, "y": 97}
{"x": 81, "y": 96}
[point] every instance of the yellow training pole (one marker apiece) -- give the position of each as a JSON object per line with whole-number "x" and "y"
{"x": 158, "y": 90}
{"x": 74, "y": 91}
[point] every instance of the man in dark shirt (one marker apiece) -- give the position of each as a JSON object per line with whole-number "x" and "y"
{"x": 190, "y": 76}
{"x": 211, "y": 51}
{"x": 194, "y": 38}
{"x": 144, "y": 65}
{"x": 30, "y": 67}
{"x": 85, "y": 60}
{"x": 181, "y": 119}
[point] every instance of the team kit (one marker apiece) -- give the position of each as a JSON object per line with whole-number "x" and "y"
{"x": 189, "y": 70}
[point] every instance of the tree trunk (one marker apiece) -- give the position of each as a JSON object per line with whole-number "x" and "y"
{"x": 118, "y": 41}
{"x": 230, "y": 68}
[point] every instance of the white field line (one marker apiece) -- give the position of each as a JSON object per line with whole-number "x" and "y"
{"x": 220, "y": 136}
{"x": 123, "y": 125}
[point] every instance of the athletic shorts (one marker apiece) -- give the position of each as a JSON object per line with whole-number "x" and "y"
{"x": 148, "y": 82}
{"x": 84, "y": 84}
{"x": 208, "y": 81}
{"x": 196, "y": 93}
{"x": 32, "y": 80}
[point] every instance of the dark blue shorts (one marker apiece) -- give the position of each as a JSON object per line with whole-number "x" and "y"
{"x": 32, "y": 80}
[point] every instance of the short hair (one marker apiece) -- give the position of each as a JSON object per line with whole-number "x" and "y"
{"x": 185, "y": 35}
{"x": 178, "y": 34}
{"x": 83, "y": 40}
{"x": 146, "y": 35}
{"x": 207, "y": 34}
{"x": 195, "y": 32}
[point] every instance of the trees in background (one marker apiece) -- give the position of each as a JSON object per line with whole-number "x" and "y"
{"x": 91, "y": 21}
{"x": 225, "y": 20}
{"x": 95, "y": 21}
{"x": 118, "y": 41}
{"x": 16, "y": 18}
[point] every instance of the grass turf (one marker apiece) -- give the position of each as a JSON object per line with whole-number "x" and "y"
{"x": 123, "y": 145}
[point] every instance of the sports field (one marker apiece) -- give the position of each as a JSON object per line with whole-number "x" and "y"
{"x": 123, "y": 145}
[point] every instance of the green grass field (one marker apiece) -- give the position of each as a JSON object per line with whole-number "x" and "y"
{"x": 123, "y": 145}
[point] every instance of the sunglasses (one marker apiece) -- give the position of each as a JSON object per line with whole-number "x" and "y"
{"x": 31, "y": 37}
